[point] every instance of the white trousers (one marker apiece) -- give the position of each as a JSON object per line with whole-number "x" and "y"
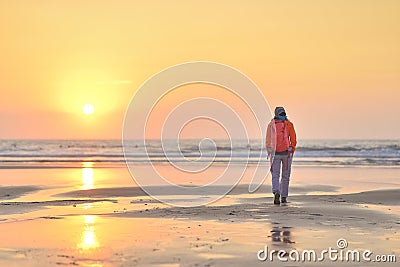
{"x": 283, "y": 162}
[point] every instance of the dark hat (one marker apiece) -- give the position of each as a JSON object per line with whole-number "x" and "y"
{"x": 279, "y": 110}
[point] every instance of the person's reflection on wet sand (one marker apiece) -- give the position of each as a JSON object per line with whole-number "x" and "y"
{"x": 281, "y": 234}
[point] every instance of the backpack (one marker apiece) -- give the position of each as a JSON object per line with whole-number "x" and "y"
{"x": 282, "y": 139}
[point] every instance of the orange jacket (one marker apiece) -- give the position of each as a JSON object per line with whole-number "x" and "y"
{"x": 290, "y": 131}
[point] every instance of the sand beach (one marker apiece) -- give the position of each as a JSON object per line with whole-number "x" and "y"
{"x": 117, "y": 224}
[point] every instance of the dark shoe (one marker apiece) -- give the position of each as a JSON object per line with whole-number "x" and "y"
{"x": 284, "y": 200}
{"x": 276, "y": 198}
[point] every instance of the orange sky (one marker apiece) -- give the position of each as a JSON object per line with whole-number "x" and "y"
{"x": 334, "y": 65}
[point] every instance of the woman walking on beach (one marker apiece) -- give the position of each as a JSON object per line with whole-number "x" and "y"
{"x": 281, "y": 144}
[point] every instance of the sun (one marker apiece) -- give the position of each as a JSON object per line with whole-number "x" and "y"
{"x": 88, "y": 109}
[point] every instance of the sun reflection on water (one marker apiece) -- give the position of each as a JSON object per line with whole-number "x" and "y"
{"x": 88, "y": 237}
{"x": 87, "y": 176}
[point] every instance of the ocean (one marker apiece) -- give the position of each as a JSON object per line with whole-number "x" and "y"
{"x": 111, "y": 152}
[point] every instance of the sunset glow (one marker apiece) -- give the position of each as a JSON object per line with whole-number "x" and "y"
{"x": 199, "y": 133}
{"x": 88, "y": 109}
{"x": 324, "y": 59}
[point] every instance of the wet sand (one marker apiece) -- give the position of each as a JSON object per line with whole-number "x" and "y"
{"x": 11, "y": 192}
{"x": 71, "y": 217}
{"x": 126, "y": 228}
